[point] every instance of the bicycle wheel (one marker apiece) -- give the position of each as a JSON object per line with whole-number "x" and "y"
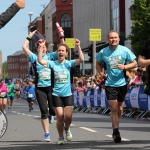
{"x": 3, "y": 124}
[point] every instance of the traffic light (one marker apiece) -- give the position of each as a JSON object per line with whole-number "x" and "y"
{"x": 90, "y": 53}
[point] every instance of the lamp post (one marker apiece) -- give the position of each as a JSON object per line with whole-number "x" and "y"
{"x": 30, "y": 15}
{"x": 30, "y": 45}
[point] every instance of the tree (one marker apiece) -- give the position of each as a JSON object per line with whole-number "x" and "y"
{"x": 4, "y": 70}
{"x": 140, "y": 31}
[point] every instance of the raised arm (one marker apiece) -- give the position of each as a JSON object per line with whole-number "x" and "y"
{"x": 6, "y": 16}
{"x": 26, "y": 44}
{"x": 80, "y": 53}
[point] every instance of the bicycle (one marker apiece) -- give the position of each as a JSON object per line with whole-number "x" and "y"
{"x": 3, "y": 123}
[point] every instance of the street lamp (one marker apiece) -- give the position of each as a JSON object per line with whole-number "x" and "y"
{"x": 30, "y": 14}
{"x": 30, "y": 45}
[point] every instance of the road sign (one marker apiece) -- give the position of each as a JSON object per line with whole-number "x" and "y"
{"x": 70, "y": 42}
{"x": 95, "y": 34}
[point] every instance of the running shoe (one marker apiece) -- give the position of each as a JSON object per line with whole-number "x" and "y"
{"x": 116, "y": 137}
{"x": 60, "y": 141}
{"x": 31, "y": 107}
{"x": 47, "y": 137}
{"x": 51, "y": 119}
{"x": 68, "y": 134}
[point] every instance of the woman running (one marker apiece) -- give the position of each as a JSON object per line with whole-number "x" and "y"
{"x": 43, "y": 85}
{"x": 62, "y": 96}
{"x": 3, "y": 96}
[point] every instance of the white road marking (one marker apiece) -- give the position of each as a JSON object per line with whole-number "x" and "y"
{"x": 123, "y": 139}
{"x": 36, "y": 116}
{"x": 18, "y": 113}
{"x": 72, "y": 125}
{"x": 23, "y": 114}
{"x": 29, "y": 115}
{"x": 14, "y": 111}
{"x": 88, "y": 129}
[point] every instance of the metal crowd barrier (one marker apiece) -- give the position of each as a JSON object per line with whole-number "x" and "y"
{"x": 127, "y": 112}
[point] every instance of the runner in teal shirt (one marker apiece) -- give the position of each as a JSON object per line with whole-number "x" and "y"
{"x": 62, "y": 96}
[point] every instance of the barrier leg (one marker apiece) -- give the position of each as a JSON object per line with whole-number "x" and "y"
{"x": 98, "y": 110}
{"x": 88, "y": 110}
{"x": 82, "y": 110}
{"x": 93, "y": 109}
{"x": 105, "y": 110}
{"x": 144, "y": 114}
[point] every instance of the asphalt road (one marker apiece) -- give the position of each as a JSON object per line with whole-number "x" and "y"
{"x": 90, "y": 131}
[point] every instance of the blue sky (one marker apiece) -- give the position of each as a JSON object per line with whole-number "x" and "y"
{"x": 13, "y": 35}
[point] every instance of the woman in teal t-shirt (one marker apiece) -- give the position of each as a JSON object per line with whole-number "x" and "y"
{"x": 62, "y": 96}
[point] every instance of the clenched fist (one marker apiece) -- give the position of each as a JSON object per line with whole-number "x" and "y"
{"x": 20, "y": 3}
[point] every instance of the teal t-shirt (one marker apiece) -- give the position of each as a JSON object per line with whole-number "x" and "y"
{"x": 44, "y": 74}
{"x": 62, "y": 85}
{"x": 111, "y": 58}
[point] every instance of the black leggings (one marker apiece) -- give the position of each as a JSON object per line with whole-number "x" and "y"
{"x": 44, "y": 94}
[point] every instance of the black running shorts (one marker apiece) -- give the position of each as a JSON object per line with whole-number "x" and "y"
{"x": 62, "y": 101}
{"x": 116, "y": 93}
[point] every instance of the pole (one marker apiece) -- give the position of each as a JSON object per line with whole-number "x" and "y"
{"x": 94, "y": 54}
{"x": 83, "y": 71}
{"x": 70, "y": 54}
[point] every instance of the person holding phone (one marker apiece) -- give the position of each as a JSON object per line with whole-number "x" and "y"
{"x": 62, "y": 95}
{"x": 42, "y": 78}
{"x": 6, "y": 16}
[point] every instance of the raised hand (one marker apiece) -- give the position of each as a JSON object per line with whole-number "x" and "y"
{"x": 60, "y": 30}
{"x": 20, "y": 3}
{"x": 77, "y": 42}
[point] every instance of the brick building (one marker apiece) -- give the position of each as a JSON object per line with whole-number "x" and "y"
{"x": 17, "y": 65}
{"x": 63, "y": 15}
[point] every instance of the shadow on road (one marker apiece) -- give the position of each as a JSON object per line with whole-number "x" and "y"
{"x": 101, "y": 145}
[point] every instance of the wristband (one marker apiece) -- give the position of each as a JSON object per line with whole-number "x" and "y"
{"x": 29, "y": 38}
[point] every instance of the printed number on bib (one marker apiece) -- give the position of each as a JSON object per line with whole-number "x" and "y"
{"x": 3, "y": 93}
{"x": 114, "y": 61}
{"x": 61, "y": 77}
{"x": 45, "y": 74}
{"x": 30, "y": 95}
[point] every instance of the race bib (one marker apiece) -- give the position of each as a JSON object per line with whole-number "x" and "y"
{"x": 45, "y": 74}
{"x": 61, "y": 77}
{"x": 30, "y": 95}
{"x": 114, "y": 61}
{"x": 3, "y": 93}
{"x": 10, "y": 90}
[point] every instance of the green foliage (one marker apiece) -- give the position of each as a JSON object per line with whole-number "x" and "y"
{"x": 140, "y": 30}
{"x": 4, "y": 70}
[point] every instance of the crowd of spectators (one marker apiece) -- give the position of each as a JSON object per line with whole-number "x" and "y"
{"x": 134, "y": 77}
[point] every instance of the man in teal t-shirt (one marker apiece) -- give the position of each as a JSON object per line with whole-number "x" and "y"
{"x": 10, "y": 93}
{"x": 115, "y": 58}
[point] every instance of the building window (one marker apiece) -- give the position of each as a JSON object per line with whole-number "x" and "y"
{"x": 65, "y": 21}
{"x": 115, "y": 14}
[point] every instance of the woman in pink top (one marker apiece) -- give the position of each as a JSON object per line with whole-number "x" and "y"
{"x": 3, "y": 96}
